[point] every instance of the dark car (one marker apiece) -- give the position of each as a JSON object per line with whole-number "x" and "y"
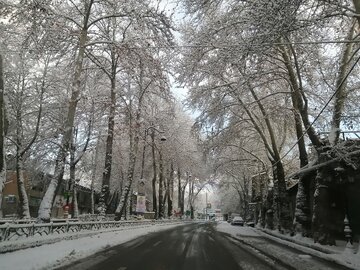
{"x": 237, "y": 221}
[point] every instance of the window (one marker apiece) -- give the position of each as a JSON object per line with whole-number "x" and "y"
{"x": 10, "y": 199}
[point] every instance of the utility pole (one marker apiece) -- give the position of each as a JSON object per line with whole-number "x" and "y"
{"x": 206, "y": 200}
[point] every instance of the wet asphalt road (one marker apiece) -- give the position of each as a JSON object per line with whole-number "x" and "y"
{"x": 188, "y": 247}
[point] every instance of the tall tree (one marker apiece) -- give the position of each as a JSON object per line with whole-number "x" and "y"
{"x": 242, "y": 57}
{"x": 46, "y": 204}
{"x": 22, "y": 149}
{"x": 2, "y": 134}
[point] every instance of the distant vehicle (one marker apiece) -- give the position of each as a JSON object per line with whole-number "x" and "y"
{"x": 231, "y": 217}
{"x": 237, "y": 221}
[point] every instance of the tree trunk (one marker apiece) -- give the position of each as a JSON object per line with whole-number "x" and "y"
{"x": 302, "y": 222}
{"x": 191, "y": 199}
{"x": 321, "y": 211}
{"x": 154, "y": 173}
{"x": 181, "y": 198}
{"x": 131, "y": 201}
{"x": 49, "y": 197}
{"x": 165, "y": 199}
{"x": 281, "y": 204}
{"x": 281, "y": 197}
{"x": 143, "y": 158}
{"x": 2, "y": 136}
{"x": 170, "y": 187}
{"x": 134, "y": 136}
{"x": 93, "y": 175}
{"x": 166, "y": 194}
{"x": 134, "y": 148}
{"x": 130, "y": 177}
{"x": 297, "y": 94}
{"x": 268, "y": 210}
{"x": 340, "y": 86}
{"x": 105, "y": 185}
{"x": 75, "y": 202}
{"x": 24, "y": 210}
{"x": 180, "y": 205}
{"x": 128, "y": 187}
{"x": 302, "y": 206}
{"x": 92, "y": 199}
{"x": 161, "y": 186}
{"x": 75, "y": 209}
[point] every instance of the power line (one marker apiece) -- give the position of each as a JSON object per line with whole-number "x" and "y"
{"x": 323, "y": 109}
{"x": 217, "y": 46}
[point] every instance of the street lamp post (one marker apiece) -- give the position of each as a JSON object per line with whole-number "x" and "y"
{"x": 141, "y": 201}
{"x": 163, "y": 138}
{"x": 206, "y": 199}
{"x": 191, "y": 194}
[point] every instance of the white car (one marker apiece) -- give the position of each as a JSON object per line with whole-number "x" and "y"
{"x": 237, "y": 221}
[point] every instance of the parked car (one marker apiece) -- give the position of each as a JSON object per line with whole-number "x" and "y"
{"x": 231, "y": 216}
{"x": 237, "y": 221}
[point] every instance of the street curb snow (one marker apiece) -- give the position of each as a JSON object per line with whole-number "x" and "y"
{"x": 296, "y": 241}
{"x": 255, "y": 251}
{"x": 320, "y": 252}
{"x": 36, "y": 242}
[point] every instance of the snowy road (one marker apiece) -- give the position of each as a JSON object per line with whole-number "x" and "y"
{"x": 200, "y": 246}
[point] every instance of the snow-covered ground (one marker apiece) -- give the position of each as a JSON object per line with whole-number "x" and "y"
{"x": 65, "y": 251}
{"x": 236, "y": 231}
{"x": 339, "y": 253}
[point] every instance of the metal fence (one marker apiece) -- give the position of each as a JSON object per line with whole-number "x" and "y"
{"x": 11, "y": 232}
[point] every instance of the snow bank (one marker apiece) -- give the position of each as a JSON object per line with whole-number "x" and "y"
{"x": 338, "y": 254}
{"x": 236, "y": 230}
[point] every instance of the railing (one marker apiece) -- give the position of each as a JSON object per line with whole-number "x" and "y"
{"x": 20, "y": 231}
{"x": 96, "y": 217}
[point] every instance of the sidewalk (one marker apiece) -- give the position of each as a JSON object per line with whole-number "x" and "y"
{"x": 338, "y": 254}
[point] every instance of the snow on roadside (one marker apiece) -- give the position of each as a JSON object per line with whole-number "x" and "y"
{"x": 65, "y": 251}
{"x": 236, "y": 230}
{"x": 306, "y": 245}
{"x": 335, "y": 254}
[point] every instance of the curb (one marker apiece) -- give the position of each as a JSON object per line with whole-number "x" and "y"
{"x": 310, "y": 249}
